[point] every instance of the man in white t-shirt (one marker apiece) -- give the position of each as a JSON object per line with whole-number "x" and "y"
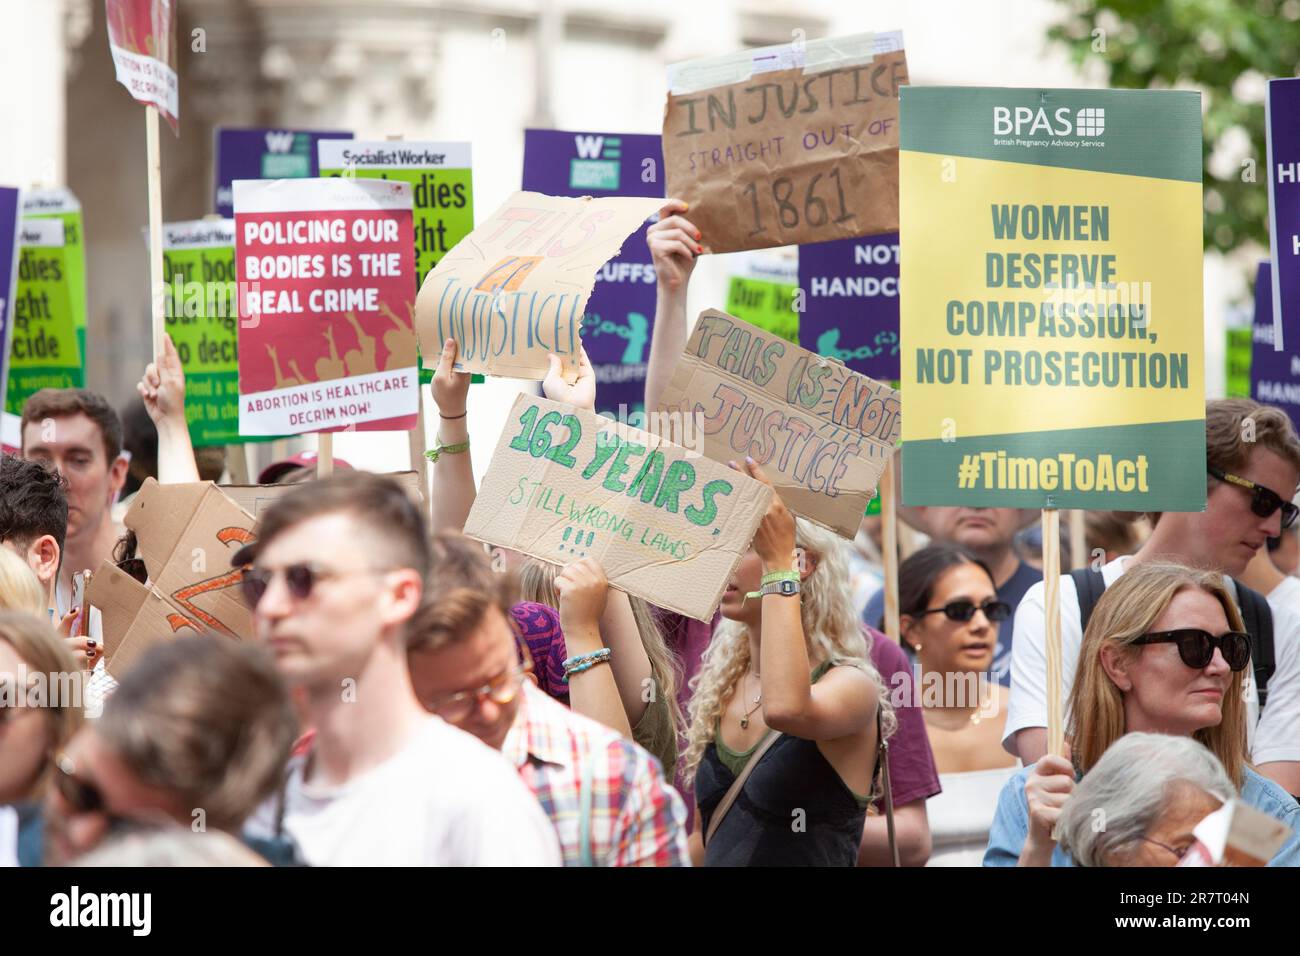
{"x": 1249, "y": 484}
{"x": 339, "y": 569}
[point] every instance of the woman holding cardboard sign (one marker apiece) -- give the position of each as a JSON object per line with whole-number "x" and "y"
{"x": 788, "y": 712}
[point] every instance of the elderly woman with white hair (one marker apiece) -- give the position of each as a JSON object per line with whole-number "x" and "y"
{"x": 1147, "y": 792}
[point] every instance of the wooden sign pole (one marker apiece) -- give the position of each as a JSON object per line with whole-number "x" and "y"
{"x": 1052, "y": 615}
{"x": 1078, "y": 539}
{"x": 889, "y": 544}
{"x": 324, "y": 454}
{"x": 157, "y": 283}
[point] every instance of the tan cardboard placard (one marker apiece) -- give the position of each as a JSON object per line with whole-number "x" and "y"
{"x": 257, "y": 498}
{"x": 821, "y": 431}
{"x": 186, "y": 536}
{"x": 791, "y": 146}
{"x": 666, "y": 524}
{"x": 516, "y": 287}
{"x": 135, "y": 617}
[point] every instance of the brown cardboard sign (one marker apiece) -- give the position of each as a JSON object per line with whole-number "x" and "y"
{"x": 515, "y": 288}
{"x": 135, "y": 617}
{"x": 822, "y": 432}
{"x": 257, "y": 498}
{"x": 665, "y": 524}
{"x": 186, "y": 535}
{"x": 790, "y": 144}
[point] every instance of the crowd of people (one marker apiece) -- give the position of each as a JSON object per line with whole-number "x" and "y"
{"x": 412, "y": 697}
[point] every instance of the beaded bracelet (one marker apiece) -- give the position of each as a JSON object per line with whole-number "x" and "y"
{"x": 585, "y": 662}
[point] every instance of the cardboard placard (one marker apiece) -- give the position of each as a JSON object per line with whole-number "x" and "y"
{"x": 142, "y": 39}
{"x": 515, "y": 289}
{"x": 326, "y": 271}
{"x": 257, "y": 498}
{"x": 821, "y": 431}
{"x": 186, "y": 534}
{"x": 787, "y": 144}
{"x": 665, "y": 524}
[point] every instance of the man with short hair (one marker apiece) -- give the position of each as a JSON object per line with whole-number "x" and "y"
{"x": 1250, "y": 486}
{"x": 467, "y": 666}
{"x": 338, "y": 571}
{"x": 989, "y": 534}
{"x": 34, "y": 517}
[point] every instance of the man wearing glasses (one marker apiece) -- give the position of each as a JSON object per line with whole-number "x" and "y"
{"x": 1252, "y": 470}
{"x": 606, "y": 796}
{"x": 337, "y": 572}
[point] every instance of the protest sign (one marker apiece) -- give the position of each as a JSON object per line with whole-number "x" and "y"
{"x": 516, "y": 288}
{"x": 616, "y": 326}
{"x": 63, "y": 205}
{"x": 202, "y": 314}
{"x": 43, "y": 349}
{"x": 787, "y": 144}
{"x": 850, "y": 304}
{"x": 1051, "y": 306}
{"x": 1274, "y": 376}
{"x": 187, "y": 534}
{"x": 142, "y": 38}
{"x": 8, "y": 285}
{"x": 326, "y": 272}
{"x": 442, "y": 188}
{"x": 1281, "y": 108}
{"x": 1236, "y": 362}
{"x": 265, "y": 153}
{"x": 763, "y": 294}
{"x": 665, "y": 524}
{"x": 822, "y": 432}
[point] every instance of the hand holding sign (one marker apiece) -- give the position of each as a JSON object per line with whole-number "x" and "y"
{"x": 774, "y": 539}
{"x": 583, "y": 590}
{"x": 674, "y": 243}
{"x": 450, "y": 388}
{"x": 581, "y": 393}
{"x": 163, "y": 387}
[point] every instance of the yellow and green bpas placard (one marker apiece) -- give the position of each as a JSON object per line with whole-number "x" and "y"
{"x": 1052, "y": 346}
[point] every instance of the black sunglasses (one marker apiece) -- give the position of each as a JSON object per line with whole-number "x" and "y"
{"x": 300, "y": 579}
{"x": 1196, "y": 647}
{"x": 964, "y": 610}
{"x": 1264, "y": 501}
{"x": 82, "y": 796}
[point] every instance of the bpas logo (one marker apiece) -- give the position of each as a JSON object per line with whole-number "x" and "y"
{"x": 1024, "y": 121}
{"x": 597, "y": 165}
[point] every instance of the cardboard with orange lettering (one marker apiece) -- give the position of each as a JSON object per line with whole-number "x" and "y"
{"x": 516, "y": 288}
{"x": 821, "y": 431}
{"x": 186, "y": 535}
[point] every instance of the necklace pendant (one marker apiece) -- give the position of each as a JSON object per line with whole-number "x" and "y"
{"x": 744, "y": 723}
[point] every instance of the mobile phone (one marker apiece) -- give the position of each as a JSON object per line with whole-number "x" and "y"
{"x": 78, "y": 588}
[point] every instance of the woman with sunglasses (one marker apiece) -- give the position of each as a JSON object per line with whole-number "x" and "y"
{"x": 34, "y": 723}
{"x": 949, "y": 615}
{"x": 1164, "y": 652}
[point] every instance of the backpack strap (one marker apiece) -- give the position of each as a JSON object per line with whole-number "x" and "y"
{"x": 1090, "y": 586}
{"x": 1257, "y": 616}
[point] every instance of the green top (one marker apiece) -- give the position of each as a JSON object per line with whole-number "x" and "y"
{"x": 735, "y": 760}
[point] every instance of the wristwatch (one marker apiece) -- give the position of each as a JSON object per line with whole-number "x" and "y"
{"x": 784, "y": 587}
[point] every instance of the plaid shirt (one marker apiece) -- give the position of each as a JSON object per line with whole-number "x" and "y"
{"x": 637, "y": 819}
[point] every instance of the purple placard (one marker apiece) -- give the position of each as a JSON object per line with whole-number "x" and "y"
{"x": 617, "y": 324}
{"x": 10, "y": 213}
{"x": 850, "y": 305}
{"x": 1274, "y": 376}
{"x": 1281, "y": 113}
{"x": 265, "y": 154}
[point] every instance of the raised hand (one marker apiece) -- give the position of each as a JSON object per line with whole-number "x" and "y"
{"x": 674, "y": 243}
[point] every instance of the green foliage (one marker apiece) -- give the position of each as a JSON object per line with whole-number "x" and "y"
{"x": 1207, "y": 45}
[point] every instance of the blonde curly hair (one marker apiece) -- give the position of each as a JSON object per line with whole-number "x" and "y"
{"x": 831, "y": 629}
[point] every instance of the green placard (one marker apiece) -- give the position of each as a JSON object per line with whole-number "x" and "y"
{"x": 61, "y": 204}
{"x": 765, "y": 303}
{"x": 44, "y": 352}
{"x": 1237, "y": 363}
